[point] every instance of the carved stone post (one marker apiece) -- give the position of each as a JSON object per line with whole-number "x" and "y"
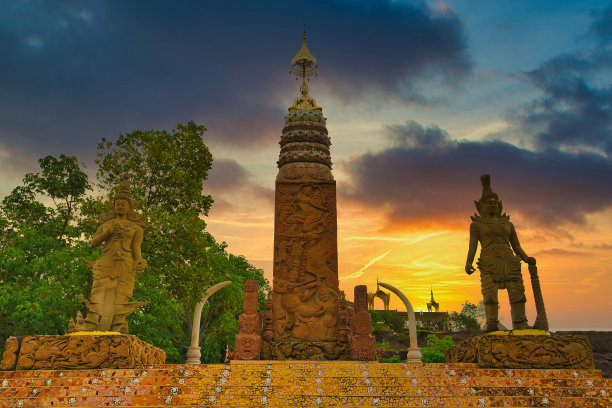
{"x": 363, "y": 343}
{"x": 248, "y": 339}
{"x": 268, "y": 329}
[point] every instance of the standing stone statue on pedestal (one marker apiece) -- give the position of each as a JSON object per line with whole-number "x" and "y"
{"x": 108, "y": 305}
{"x": 500, "y": 267}
{"x": 113, "y": 274}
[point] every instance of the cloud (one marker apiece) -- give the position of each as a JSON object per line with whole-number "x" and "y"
{"x": 602, "y": 26}
{"x": 416, "y": 180}
{"x": 559, "y": 252}
{"x": 574, "y": 111}
{"x": 120, "y": 66}
{"x": 228, "y": 177}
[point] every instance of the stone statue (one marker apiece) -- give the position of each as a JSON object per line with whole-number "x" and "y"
{"x": 500, "y": 267}
{"x": 113, "y": 274}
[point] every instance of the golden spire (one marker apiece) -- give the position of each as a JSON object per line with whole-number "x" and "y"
{"x": 304, "y": 64}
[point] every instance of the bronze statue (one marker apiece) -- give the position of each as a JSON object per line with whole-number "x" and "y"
{"x": 113, "y": 274}
{"x": 500, "y": 267}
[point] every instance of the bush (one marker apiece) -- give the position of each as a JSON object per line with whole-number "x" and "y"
{"x": 394, "y": 359}
{"x": 434, "y": 352}
{"x": 394, "y": 321}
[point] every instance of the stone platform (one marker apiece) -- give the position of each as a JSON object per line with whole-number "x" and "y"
{"x": 306, "y": 384}
{"x": 76, "y": 351}
{"x": 524, "y": 351}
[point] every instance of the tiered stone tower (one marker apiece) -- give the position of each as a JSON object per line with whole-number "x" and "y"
{"x": 305, "y": 288}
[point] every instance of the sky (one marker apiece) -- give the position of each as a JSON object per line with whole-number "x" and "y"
{"x": 421, "y": 98}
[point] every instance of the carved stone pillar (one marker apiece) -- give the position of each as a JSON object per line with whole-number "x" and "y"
{"x": 305, "y": 287}
{"x": 363, "y": 343}
{"x": 248, "y": 339}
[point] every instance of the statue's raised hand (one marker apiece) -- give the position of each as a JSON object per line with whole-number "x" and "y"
{"x": 469, "y": 269}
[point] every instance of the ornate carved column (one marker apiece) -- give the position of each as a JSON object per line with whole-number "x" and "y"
{"x": 363, "y": 342}
{"x": 305, "y": 287}
{"x": 248, "y": 339}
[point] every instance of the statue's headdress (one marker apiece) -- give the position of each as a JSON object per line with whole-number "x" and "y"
{"x": 487, "y": 193}
{"x": 125, "y": 192}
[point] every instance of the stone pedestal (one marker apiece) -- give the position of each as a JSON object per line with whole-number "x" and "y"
{"x": 79, "y": 352}
{"x": 524, "y": 351}
{"x": 305, "y": 350}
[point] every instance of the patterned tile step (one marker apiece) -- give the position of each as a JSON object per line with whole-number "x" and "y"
{"x": 326, "y": 383}
{"x": 298, "y": 402}
{"x": 288, "y": 391}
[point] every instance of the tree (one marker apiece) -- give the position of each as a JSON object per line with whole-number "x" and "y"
{"x": 467, "y": 320}
{"x": 41, "y": 275}
{"x": 435, "y": 350}
{"x": 167, "y": 171}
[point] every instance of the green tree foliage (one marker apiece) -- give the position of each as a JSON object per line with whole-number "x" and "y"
{"x": 434, "y": 351}
{"x": 394, "y": 321}
{"x": 41, "y": 275}
{"x": 467, "y": 320}
{"x": 167, "y": 171}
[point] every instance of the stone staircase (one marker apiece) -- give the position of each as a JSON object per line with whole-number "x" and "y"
{"x": 306, "y": 384}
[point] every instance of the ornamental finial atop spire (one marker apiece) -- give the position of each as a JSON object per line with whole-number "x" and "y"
{"x": 304, "y": 64}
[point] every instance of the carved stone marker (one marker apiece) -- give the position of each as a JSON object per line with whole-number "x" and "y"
{"x": 113, "y": 274}
{"x": 268, "y": 328}
{"x": 248, "y": 339}
{"x": 363, "y": 343}
{"x": 500, "y": 267}
{"x": 524, "y": 351}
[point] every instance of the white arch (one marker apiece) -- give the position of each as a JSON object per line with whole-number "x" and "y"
{"x": 414, "y": 353}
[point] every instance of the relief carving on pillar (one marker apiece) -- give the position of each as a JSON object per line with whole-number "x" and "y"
{"x": 305, "y": 294}
{"x": 342, "y": 330}
{"x": 363, "y": 343}
{"x": 305, "y": 173}
{"x": 248, "y": 339}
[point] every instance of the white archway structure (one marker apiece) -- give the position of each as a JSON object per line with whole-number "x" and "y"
{"x": 414, "y": 353}
{"x": 193, "y": 351}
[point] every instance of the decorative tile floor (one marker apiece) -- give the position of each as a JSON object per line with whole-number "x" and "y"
{"x": 306, "y": 384}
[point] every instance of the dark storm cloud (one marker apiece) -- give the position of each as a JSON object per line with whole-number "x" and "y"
{"x": 602, "y": 26}
{"x": 421, "y": 180}
{"x": 575, "y": 109}
{"x": 228, "y": 176}
{"x": 73, "y": 72}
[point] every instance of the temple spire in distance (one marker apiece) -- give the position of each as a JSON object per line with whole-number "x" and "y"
{"x": 304, "y": 65}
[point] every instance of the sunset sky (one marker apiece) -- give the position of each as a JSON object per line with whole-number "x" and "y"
{"x": 421, "y": 98}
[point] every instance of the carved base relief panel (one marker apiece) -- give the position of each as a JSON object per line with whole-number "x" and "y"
{"x": 80, "y": 352}
{"x": 305, "y": 350}
{"x": 512, "y": 351}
